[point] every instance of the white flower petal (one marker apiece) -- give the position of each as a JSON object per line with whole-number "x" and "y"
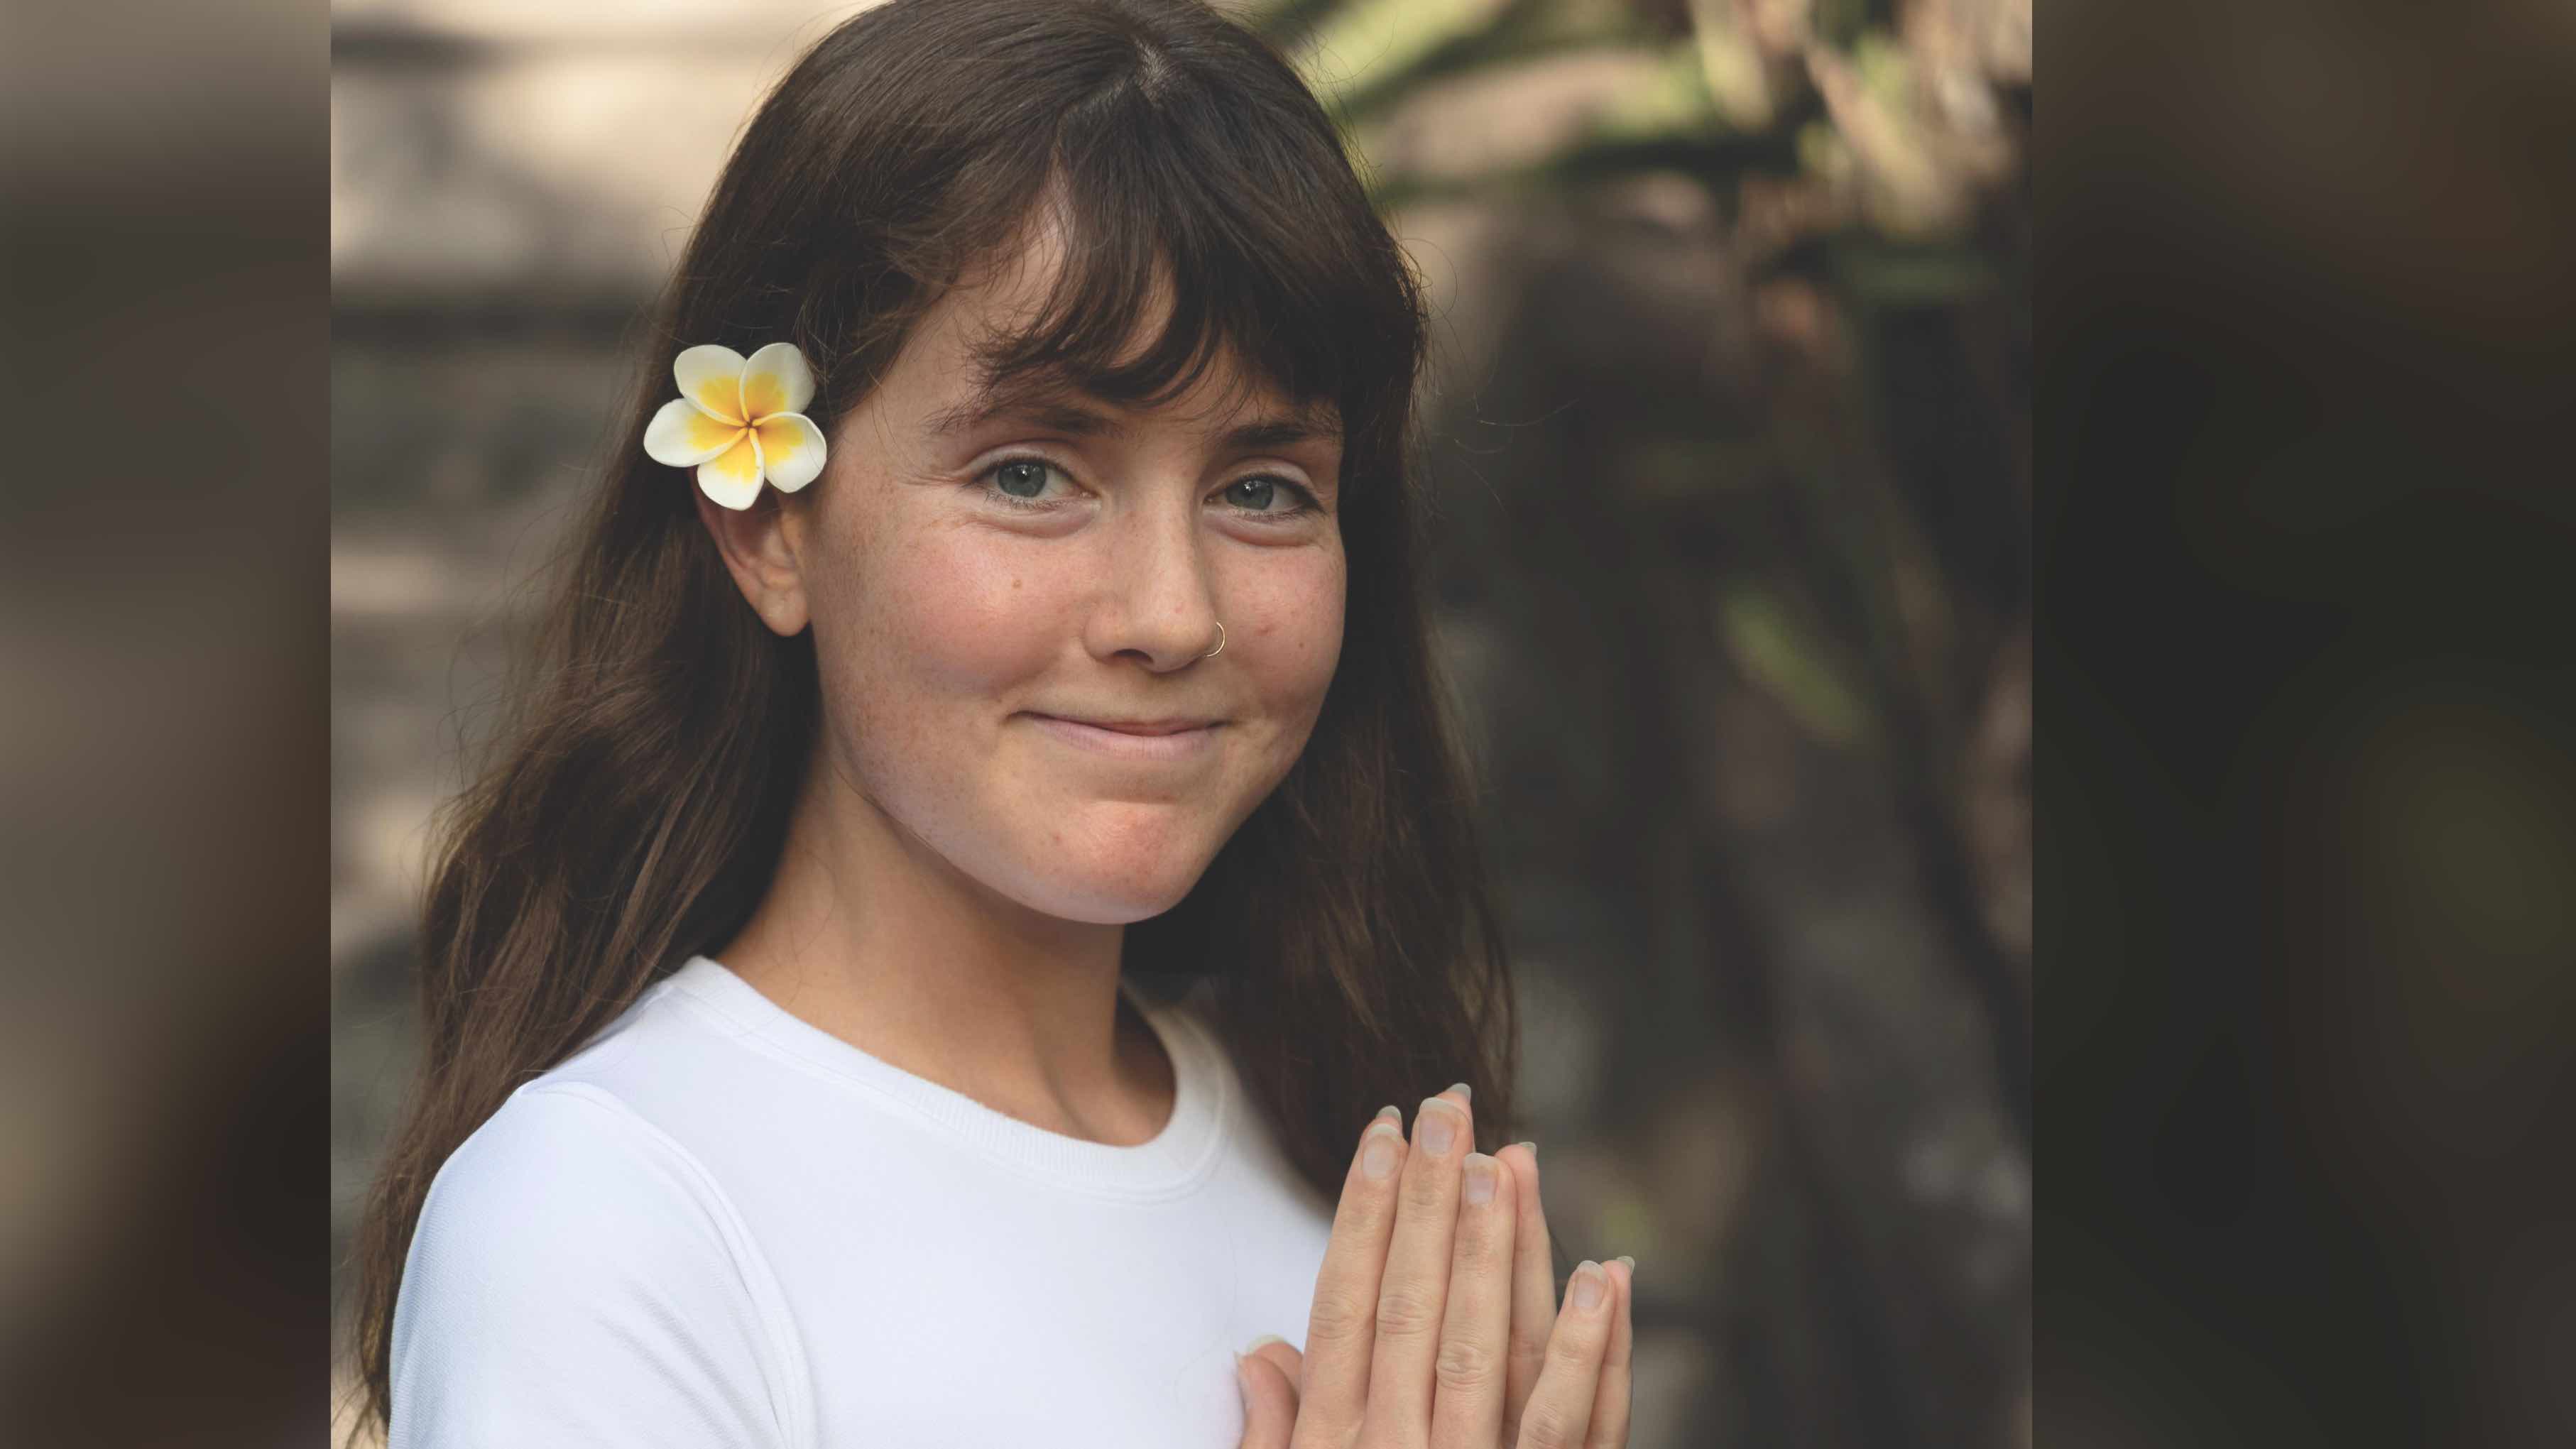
{"x": 681, "y": 435}
{"x": 732, "y": 478}
{"x": 776, "y": 380}
{"x": 711, "y": 377}
{"x": 791, "y": 450}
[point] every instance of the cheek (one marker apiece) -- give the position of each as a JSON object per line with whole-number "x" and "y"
{"x": 1291, "y": 621}
{"x": 935, "y": 618}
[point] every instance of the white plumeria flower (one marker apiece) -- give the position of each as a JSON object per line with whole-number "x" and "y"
{"x": 739, "y": 422}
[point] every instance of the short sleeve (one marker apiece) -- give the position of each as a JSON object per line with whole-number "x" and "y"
{"x": 575, "y": 1281}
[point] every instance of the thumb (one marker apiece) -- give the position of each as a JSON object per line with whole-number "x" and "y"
{"x": 1270, "y": 1372}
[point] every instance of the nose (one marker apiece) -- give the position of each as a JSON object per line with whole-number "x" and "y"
{"x": 1156, "y": 606}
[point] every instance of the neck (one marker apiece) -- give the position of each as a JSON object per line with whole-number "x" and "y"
{"x": 868, "y": 933}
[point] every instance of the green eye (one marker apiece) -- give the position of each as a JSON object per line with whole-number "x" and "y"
{"x": 1265, "y": 491}
{"x": 1021, "y": 478}
{"x": 1018, "y": 483}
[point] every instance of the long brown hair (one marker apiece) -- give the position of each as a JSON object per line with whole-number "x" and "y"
{"x": 639, "y": 794}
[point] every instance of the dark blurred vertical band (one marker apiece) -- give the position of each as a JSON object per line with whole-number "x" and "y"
{"x": 2306, "y": 724}
{"x": 163, "y": 746}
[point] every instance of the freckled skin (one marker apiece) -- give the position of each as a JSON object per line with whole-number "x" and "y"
{"x": 941, "y": 616}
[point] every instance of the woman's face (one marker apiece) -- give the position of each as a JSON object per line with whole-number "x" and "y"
{"x": 977, "y": 571}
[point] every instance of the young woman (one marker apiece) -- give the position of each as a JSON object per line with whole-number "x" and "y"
{"x": 980, "y": 840}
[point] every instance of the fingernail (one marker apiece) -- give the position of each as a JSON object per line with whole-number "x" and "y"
{"x": 1588, "y": 1279}
{"x": 1465, "y": 1093}
{"x": 1255, "y": 1345}
{"x": 1533, "y": 1147}
{"x": 1480, "y": 1178}
{"x": 1434, "y": 1131}
{"x": 1387, "y": 1113}
{"x": 1631, "y": 1262}
{"x": 1377, "y": 1159}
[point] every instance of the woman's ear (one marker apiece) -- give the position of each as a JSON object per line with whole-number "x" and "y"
{"x": 763, "y": 548}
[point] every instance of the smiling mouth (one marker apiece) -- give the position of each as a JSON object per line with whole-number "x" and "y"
{"x": 1134, "y": 740}
{"x": 1136, "y": 726}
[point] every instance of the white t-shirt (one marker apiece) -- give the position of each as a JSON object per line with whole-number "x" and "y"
{"x": 717, "y": 1226}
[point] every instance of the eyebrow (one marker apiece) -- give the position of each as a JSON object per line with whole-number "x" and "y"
{"x": 1052, "y": 407}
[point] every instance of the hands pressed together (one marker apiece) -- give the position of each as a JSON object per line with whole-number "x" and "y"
{"x": 1435, "y": 1323}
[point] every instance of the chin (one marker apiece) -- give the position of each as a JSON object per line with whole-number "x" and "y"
{"x": 1119, "y": 862}
{"x": 1103, "y": 896}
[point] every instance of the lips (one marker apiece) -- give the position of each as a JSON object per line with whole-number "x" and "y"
{"x": 1138, "y": 740}
{"x": 1135, "y": 727}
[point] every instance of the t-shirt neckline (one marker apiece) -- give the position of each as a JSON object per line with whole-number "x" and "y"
{"x": 1173, "y": 1161}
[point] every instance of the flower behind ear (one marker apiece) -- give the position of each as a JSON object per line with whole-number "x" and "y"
{"x": 738, "y": 422}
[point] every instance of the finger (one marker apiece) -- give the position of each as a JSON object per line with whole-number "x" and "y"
{"x": 1560, "y": 1409}
{"x": 1467, "y": 1393}
{"x": 1533, "y": 1289}
{"x": 1281, "y": 1353}
{"x": 1610, "y": 1400}
{"x": 1414, "y": 1294}
{"x": 1269, "y": 1378}
{"x": 1341, "y": 1327}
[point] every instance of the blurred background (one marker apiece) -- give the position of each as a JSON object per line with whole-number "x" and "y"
{"x": 1730, "y": 433}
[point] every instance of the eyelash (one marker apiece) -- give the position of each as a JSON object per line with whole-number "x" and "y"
{"x": 1027, "y": 505}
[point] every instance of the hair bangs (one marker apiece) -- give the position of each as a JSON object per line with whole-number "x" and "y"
{"x": 1177, "y": 251}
